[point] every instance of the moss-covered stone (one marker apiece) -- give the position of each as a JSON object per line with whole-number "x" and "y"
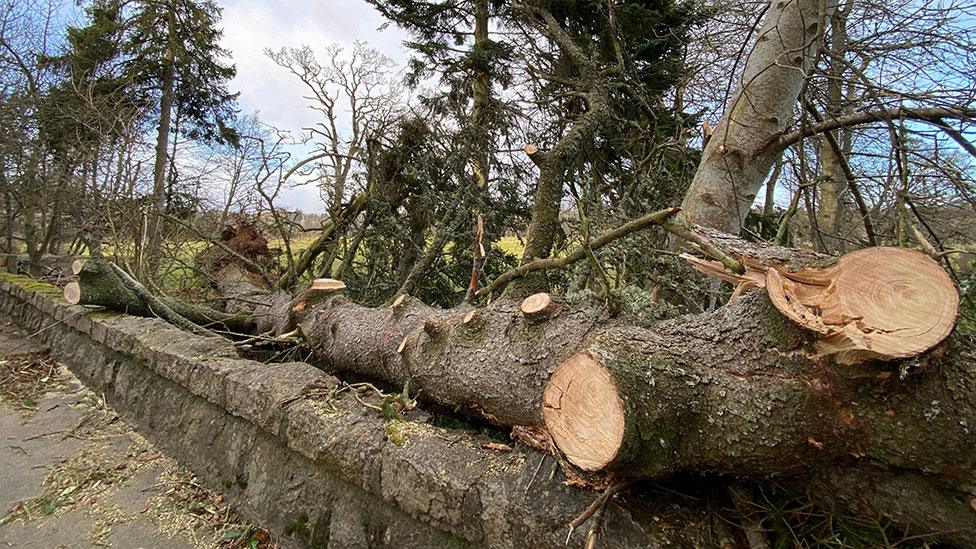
{"x": 29, "y": 284}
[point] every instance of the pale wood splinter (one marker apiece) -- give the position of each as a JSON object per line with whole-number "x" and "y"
{"x": 327, "y": 285}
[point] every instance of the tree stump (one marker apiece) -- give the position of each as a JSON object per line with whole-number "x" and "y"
{"x": 538, "y": 306}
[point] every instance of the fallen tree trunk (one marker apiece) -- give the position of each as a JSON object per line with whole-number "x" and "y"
{"x": 494, "y": 360}
{"x": 744, "y": 390}
{"x": 99, "y": 285}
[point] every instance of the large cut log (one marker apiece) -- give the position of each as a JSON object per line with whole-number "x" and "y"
{"x": 601, "y": 405}
{"x": 492, "y": 361}
{"x": 741, "y": 390}
{"x": 744, "y": 391}
{"x": 98, "y": 284}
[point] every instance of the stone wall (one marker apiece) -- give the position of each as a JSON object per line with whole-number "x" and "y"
{"x": 316, "y": 468}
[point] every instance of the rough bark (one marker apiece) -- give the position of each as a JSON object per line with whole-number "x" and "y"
{"x": 543, "y": 228}
{"x": 495, "y": 363}
{"x": 739, "y": 391}
{"x": 939, "y": 505}
{"x": 736, "y": 160}
{"x": 742, "y": 391}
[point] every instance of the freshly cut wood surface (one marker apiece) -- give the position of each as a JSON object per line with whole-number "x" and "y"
{"x": 538, "y": 305}
{"x": 78, "y": 265}
{"x": 583, "y": 412}
{"x": 327, "y": 285}
{"x": 72, "y": 293}
{"x": 875, "y": 303}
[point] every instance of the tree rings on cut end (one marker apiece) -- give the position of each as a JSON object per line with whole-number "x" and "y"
{"x": 78, "y": 265}
{"x": 875, "y": 303}
{"x": 538, "y": 305}
{"x": 72, "y": 293}
{"x": 583, "y": 412}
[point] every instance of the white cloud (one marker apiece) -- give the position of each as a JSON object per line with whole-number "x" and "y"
{"x": 250, "y": 26}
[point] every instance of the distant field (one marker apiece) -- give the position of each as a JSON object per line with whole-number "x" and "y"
{"x": 509, "y": 244}
{"x": 512, "y": 245}
{"x": 178, "y": 267}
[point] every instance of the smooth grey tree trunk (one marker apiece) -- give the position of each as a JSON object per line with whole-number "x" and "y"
{"x": 738, "y": 157}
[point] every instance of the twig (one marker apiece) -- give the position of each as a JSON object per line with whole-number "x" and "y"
{"x": 42, "y": 435}
{"x": 587, "y": 246}
{"x": 680, "y": 228}
{"x": 599, "y": 503}
{"x": 535, "y": 474}
{"x": 154, "y": 304}
{"x": 366, "y": 404}
{"x": 656, "y": 218}
{"x": 288, "y": 337}
{"x": 754, "y": 533}
{"x": 594, "y": 532}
